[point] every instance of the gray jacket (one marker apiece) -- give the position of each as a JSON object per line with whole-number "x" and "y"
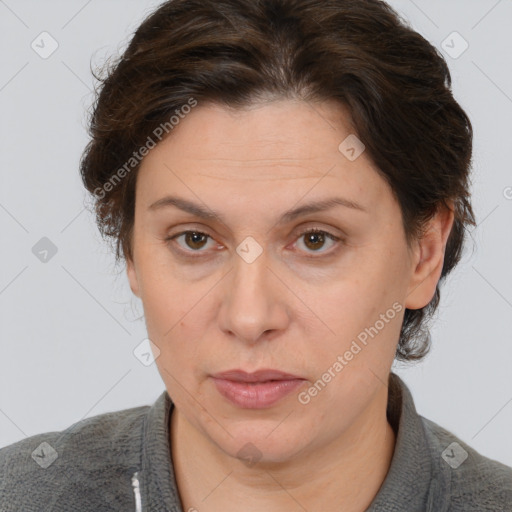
{"x": 120, "y": 461}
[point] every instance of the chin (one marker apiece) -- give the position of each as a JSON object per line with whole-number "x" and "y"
{"x": 261, "y": 446}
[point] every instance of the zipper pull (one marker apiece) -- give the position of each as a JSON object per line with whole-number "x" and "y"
{"x": 136, "y": 491}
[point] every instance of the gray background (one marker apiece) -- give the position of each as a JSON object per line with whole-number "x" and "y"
{"x": 69, "y": 326}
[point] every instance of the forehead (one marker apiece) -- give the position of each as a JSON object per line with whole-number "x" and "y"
{"x": 281, "y": 148}
{"x": 279, "y": 130}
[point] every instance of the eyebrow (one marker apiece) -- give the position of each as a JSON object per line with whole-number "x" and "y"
{"x": 290, "y": 215}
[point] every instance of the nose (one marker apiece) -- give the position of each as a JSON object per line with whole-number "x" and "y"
{"x": 254, "y": 303}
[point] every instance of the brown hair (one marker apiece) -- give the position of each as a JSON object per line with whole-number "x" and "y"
{"x": 395, "y": 84}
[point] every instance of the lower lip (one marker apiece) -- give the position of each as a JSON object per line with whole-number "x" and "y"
{"x": 256, "y": 396}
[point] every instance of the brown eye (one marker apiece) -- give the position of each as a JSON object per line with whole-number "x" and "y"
{"x": 194, "y": 241}
{"x": 315, "y": 239}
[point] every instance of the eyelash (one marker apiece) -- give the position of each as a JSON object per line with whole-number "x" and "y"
{"x": 329, "y": 235}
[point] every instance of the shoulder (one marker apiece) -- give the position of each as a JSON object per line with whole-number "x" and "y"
{"x": 473, "y": 482}
{"x": 90, "y": 460}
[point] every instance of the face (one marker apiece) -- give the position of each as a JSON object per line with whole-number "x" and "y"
{"x": 319, "y": 295}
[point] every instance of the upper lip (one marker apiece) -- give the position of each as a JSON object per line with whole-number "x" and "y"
{"x": 257, "y": 376}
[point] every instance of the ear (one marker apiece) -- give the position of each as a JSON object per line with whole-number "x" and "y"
{"x": 429, "y": 258}
{"x": 132, "y": 277}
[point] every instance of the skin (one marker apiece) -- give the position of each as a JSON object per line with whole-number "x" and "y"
{"x": 294, "y": 308}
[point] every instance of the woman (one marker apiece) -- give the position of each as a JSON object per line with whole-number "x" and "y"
{"x": 287, "y": 181}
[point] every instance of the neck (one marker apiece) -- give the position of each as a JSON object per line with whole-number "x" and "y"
{"x": 344, "y": 474}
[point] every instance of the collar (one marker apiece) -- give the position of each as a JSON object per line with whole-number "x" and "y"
{"x": 409, "y": 484}
{"x": 157, "y": 487}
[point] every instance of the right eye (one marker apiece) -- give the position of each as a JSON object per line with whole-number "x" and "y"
{"x": 194, "y": 240}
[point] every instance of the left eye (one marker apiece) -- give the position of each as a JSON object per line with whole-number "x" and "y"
{"x": 316, "y": 238}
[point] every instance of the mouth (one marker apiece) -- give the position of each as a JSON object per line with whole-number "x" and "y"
{"x": 264, "y": 375}
{"x": 257, "y": 390}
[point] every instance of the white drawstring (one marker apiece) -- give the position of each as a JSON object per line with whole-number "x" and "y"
{"x": 136, "y": 491}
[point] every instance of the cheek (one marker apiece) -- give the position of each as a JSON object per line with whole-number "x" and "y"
{"x": 161, "y": 309}
{"x": 164, "y": 298}
{"x": 175, "y": 319}
{"x": 362, "y": 310}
